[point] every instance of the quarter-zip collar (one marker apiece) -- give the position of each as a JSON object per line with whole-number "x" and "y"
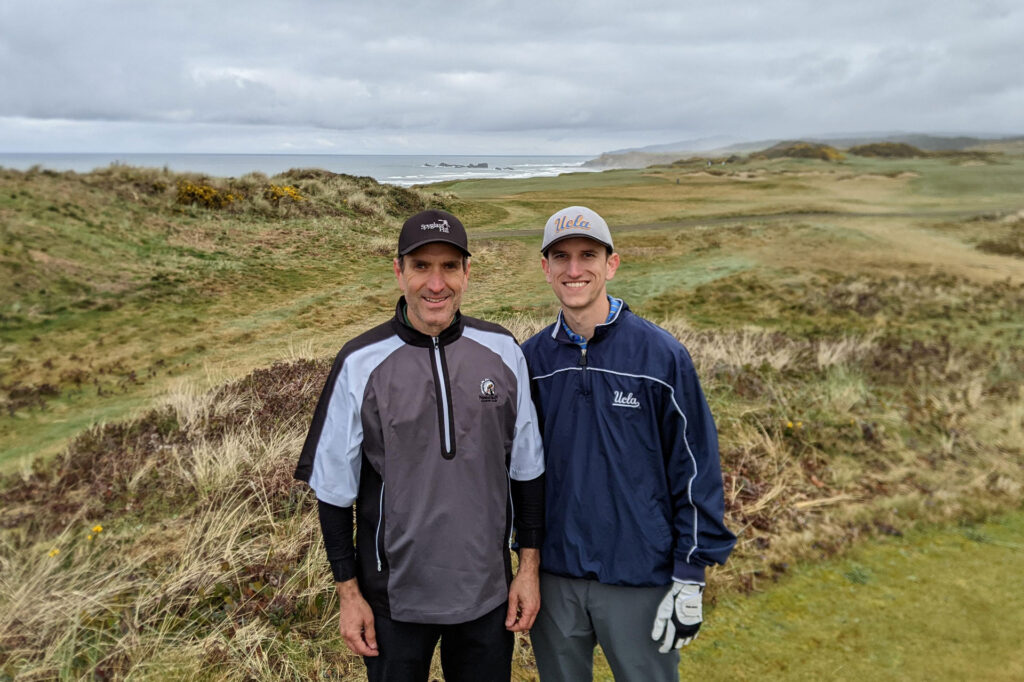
{"x": 439, "y": 368}
{"x": 558, "y": 333}
{"x": 414, "y": 337}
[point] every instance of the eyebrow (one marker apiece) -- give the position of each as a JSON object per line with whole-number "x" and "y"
{"x": 424, "y": 261}
{"x": 558, "y": 252}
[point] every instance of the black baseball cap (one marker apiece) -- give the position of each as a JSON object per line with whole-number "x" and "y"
{"x": 432, "y": 226}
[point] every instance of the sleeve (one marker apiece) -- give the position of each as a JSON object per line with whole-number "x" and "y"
{"x": 528, "y": 502}
{"x": 336, "y": 526}
{"x": 690, "y": 447}
{"x": 330, "y": 461}
{"x": 527, "y": 460}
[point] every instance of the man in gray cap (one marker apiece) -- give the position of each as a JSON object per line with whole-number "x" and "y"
{"x": 426, "y": 425}
{"x": 634, "y": 485}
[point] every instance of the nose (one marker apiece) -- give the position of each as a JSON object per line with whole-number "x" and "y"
{"x": 574, "y": 269}
{"x": 436, "y": 281}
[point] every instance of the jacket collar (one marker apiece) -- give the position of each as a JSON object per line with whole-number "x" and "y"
{"x": 414, "y": 337}
{"x": 558, "y": 333}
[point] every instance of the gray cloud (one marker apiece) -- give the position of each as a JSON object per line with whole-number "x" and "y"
{"x": 581, "y": 77}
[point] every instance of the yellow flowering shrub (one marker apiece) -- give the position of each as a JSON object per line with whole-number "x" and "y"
{"x": 204, "y": 195}
{"x": 275, "y": 193}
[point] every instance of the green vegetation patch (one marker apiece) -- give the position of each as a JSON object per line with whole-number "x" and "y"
{"x": 934, "y": 604}
{"x": 888, "y": 150}
{"x": 799, "y": 150}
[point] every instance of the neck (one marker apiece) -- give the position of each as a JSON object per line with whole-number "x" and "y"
{"x": 421, "y": 326}
{"x": 585, "y": 320}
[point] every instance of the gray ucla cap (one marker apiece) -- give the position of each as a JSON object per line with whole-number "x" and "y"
{"x": 576, "y": 221}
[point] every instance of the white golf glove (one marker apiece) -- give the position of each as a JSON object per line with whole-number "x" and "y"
{"x": 679, "y": 616}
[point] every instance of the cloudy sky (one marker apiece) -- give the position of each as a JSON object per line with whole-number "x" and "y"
{"x": 319, "y": 76}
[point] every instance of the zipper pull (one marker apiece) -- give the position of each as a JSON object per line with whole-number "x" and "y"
{"x": 583, "y": 357}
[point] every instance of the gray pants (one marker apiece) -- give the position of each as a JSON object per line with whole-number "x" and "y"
{"x": 575, "y": 615}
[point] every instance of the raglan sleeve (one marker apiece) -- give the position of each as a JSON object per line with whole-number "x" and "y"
{"x": 330, "y": 463}
{"x": 690, "y": 448}
{"x": 526, "y": 462}
{"x": 330, "y": 460}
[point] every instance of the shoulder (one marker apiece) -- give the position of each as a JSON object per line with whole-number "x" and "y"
{"x": 537, "y": 341}
{"x": 642, "y": 328}
{"x": 493, "y": 339}
{"x": 484, "y": 326}
{"x": 490, "y": 335}
{"x": 370, "y": 337}
{"x": 658, "y": 344}
{"x": 378, "y": 341}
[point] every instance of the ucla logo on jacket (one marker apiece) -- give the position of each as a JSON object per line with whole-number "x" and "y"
{"x": 627, "y": 400}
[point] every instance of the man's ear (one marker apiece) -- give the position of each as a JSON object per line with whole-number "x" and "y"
{"x": 398, "y": 275}
{"x": 612, "y": 266}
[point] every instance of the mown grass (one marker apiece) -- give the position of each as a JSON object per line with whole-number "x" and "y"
{"x": 931, "y": 605}
{"x": 860, "y": 346}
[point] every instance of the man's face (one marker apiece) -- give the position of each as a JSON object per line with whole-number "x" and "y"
{"x": 432, "y": 279}
{"x": 577, "y": 269}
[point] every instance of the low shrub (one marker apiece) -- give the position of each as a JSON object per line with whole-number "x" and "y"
{"x": 191, "y": 194}
{"x": 888, "y": 150}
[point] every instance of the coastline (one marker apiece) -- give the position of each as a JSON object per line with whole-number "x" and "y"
{"x": 396, "y": 169}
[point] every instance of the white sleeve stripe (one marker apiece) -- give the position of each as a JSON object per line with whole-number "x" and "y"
{"x": 338, "y": 460}
{"x": 672, "y": 395}
{"x": 564, "y": 369}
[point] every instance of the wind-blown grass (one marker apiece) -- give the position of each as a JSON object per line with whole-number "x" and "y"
{"x": 865, "y": 375}
{"x": 209, "y": 564}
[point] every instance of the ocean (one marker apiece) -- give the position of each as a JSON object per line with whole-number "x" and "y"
{"x": 393, "y": 169}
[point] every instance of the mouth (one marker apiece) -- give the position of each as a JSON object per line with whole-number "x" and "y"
{"x": 576, "y": 285}
{"x": 434, "y": 300}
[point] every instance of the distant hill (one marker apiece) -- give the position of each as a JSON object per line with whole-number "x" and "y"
{"x": 799, "y": 150}
{"x": 642, "y": 157}
{"x": 701, "y": 144}
{"x": 887, "y": 150}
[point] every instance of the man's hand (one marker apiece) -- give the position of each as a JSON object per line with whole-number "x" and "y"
{"x": 524, "y": 592}
{"x": 356, "y": 620}
{"x": 679, "y": 616}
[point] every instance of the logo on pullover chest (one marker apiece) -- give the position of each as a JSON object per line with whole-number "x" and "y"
{"x": 488, "y": 391}
{"x": 627, "y": 400}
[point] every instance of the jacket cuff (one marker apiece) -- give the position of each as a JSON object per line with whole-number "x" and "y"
{"x": 531, "y": 538}
{"x": 343, "y": 569}
{"x": 687, "y": 573}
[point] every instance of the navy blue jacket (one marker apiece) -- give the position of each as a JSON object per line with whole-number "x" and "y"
{"x": 634, "y": 483}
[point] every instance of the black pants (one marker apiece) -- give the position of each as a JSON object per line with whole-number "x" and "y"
{"x": 477, "y": 651}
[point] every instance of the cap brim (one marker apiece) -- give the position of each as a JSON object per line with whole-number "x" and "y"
{"x": 563, "y": 237}
{"x": 410, "y": 249}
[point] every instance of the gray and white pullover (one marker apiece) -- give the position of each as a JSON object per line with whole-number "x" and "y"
{"x": 428, "y": 437}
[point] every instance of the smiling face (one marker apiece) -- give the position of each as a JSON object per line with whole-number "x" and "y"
{"x": 433, "y": 279}
{"x": 577, "y": 269}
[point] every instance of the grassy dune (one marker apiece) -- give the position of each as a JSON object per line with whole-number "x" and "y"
{"x": 858, "y": 327}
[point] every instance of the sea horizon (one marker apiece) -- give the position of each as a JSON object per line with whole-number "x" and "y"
{"x": 396, "y": 169}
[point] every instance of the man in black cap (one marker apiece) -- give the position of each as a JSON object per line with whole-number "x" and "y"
{"x": 426, "y": 425}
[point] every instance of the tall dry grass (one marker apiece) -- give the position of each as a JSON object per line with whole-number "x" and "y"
{"x": 209, "y": 563}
